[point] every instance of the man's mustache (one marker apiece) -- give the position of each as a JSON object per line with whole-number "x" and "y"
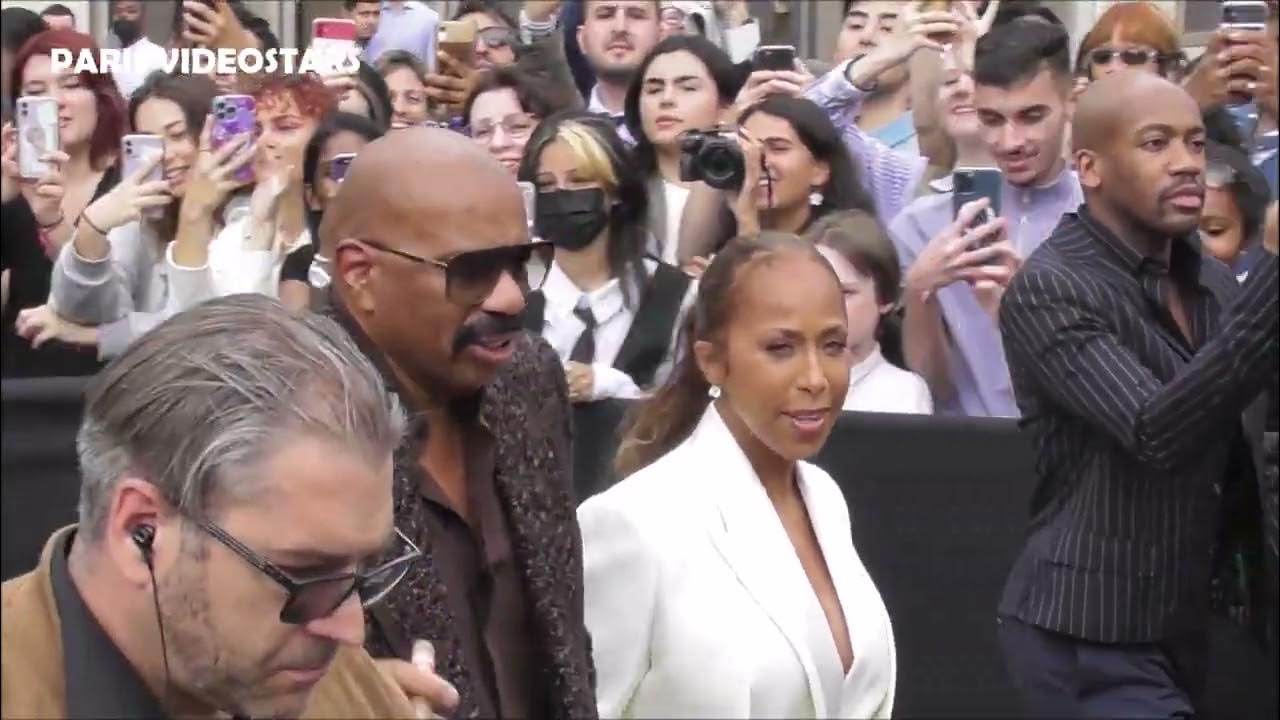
{"x": 486, "y": 326}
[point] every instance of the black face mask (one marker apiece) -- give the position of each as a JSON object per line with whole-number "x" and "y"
{"x": 571, "y": 219}
{"x": 127, "y": 30}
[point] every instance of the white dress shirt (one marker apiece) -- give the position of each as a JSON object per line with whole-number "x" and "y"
{"x": 596, "y": 106}
{"x": 697, "y": 603}
{"x": 138, "y": 61}
{"x": 561, "y": 328}
{"x": 876, "y": 385}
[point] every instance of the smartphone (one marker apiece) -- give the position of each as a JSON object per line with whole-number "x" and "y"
{"x": 969, "y": 184}
{"x": 234, "y": 115}
{"x": 139, "y": 150}
{"x": 37, "y": 135}
{"x": 458, "y": 38}
{"x": 774, "y": 57}
{"x": 339, "y": 165}
{"x": 530, "y": 193}
{"x": 1244, "y": 15}
{"x": 334, "y": 41}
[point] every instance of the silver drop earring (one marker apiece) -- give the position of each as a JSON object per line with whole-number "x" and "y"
{"x": 713, "y": 392}
{"x": 815, "y": 198}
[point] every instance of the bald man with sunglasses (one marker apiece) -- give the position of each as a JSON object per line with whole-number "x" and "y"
{"x": 428, "y": 249}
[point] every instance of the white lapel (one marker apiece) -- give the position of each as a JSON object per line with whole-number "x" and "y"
{"x": 746, "y": 531}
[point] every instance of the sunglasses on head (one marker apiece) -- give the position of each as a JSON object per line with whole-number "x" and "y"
{"x": 1129, "y": 56}
{"x": 316, "y": 598}
{"x": 470, "y": 277}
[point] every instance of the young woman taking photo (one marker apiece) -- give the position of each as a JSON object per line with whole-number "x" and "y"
{"x": 40, "y": 214}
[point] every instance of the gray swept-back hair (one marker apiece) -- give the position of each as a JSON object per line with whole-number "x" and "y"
{"x": 193, "y": 405}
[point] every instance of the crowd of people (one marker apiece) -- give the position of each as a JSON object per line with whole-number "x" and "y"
{"x": 337, "y": 352}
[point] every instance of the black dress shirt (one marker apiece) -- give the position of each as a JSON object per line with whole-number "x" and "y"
{"x": 1136, "y": 428}
{"x": 101, "y": 683}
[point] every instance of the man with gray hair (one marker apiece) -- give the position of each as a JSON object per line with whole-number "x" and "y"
{"x": 236, "y": 477}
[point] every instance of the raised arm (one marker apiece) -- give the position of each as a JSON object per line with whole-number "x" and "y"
{"x": 1055, "y": 328}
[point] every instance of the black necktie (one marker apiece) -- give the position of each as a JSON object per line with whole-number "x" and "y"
{"x": 584, "y": 350}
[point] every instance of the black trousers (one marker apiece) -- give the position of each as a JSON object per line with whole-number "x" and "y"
{"x": 1060, "y": 676}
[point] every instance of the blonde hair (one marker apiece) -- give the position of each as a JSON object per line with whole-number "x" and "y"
{"x": 591, "y": 156}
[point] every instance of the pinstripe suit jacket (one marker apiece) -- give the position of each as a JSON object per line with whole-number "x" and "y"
{"x": 1134, "y": 429}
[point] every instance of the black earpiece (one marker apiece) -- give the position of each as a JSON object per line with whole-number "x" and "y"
{"x": 143, "y": 536}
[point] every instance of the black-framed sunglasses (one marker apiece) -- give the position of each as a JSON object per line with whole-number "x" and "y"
{"x": 470, "y": 277}
{"x": 320, "y": 597}
{"x": 496, "y": 38}
{"x": 1133, "y": 57}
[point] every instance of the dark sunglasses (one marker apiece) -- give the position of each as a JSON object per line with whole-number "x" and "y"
{"x": 470, "y": 277}
{"x": 496, "y": 38}
{"x": 1132, "y": 57}
{"x": 320, "y": 597}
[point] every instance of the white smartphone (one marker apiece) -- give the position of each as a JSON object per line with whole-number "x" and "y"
{"x": 137, "y": 151}
{"x": 37, "y": 135}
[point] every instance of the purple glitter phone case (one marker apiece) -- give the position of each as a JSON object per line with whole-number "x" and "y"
{"x": 234, "y": 115}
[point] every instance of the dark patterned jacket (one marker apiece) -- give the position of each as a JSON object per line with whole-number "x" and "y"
{"x": 528, "y": 412}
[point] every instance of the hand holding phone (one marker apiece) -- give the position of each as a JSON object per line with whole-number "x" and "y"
{"x": 974, "y": 183}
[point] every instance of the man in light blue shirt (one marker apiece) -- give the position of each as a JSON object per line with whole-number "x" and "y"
{"x": 952, "y": 284}
{"x": 406, "y": 25}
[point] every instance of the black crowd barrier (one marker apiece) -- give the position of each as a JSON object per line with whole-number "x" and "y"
{"x": 938, "y": 506}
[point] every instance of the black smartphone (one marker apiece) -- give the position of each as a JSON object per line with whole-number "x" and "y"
{"x": 969, "y": 184}
{"x": 774, "y": 57}
{"x": 1244, "y": 14}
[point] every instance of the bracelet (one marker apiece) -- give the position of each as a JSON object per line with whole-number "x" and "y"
{"x": 61, "y": 216}
{"x": 84, "y": 218}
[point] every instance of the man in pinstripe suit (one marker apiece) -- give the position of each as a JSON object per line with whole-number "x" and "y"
{"x": 1132, "y": 358}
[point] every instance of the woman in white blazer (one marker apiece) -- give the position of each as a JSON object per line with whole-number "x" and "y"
{"x": 721, "y": 578}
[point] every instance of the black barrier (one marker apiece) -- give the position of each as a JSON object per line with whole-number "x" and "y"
{"x": 41, "y": 482}
{"x": 938, "y": 507}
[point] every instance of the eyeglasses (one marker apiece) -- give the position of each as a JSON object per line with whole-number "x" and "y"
{"x": 1132, "y": 57}
{"x": 517, "y": 126}
{"x": 496, "y": 38}
{"x": 320, "y": 597}
{"x": 470, "y": 277}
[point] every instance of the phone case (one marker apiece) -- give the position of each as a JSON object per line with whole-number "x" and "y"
{"x": 458, "y": 38}
{"x": 234, "y": 115}
{"x": 334, "y": 41}
{"x": 137, "y": 151}
{"x": 982, "y": 183}
{"x": 775, "y": 57}
{"x": 37, "y": 135}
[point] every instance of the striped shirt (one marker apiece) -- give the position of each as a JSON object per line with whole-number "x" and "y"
{"x": 891, "y": 177}
{"x": 1133, "y": 425}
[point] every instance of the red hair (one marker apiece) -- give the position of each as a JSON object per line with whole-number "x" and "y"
{"x": 1140, "y": 23}
{"x": 313, "y": 98}
{"x": 112, "y": 120}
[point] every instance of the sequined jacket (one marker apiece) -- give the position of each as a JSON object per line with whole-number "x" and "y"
{"x": 528, "y": 411}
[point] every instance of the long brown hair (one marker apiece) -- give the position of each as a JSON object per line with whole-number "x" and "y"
{"x": 657, "y": 425}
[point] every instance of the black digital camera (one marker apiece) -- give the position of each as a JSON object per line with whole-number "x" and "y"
{"x": 712, "y": 158}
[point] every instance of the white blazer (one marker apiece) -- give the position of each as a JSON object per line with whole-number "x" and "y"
{"x": 697, "y": 603}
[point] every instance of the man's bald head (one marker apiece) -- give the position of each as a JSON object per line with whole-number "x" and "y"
{"x": 1139, "y": 146}
{"x": 1115, "y": 103}
{"x": 412, "y": 181}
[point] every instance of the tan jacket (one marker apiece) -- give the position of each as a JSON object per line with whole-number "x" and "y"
{"x": 31, "y": 662}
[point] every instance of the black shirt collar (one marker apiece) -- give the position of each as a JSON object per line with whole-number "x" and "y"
{"x": 100, "y": 681}
{"x": 1184, "y": 252}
